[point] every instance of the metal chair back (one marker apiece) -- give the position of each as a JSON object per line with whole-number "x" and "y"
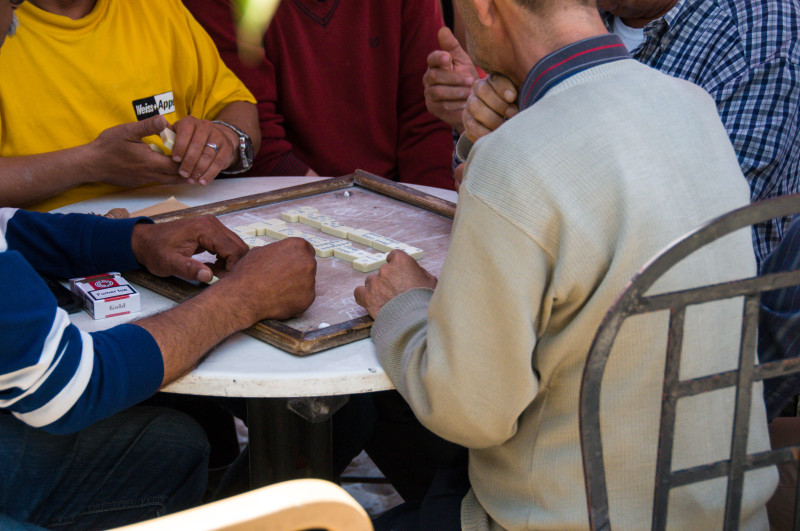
{"x": 634, "y": 301}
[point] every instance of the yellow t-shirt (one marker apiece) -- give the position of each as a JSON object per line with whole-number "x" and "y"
{"x": 64, "y": 81}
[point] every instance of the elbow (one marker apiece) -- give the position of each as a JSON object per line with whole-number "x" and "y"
{"x": 478, "y": 438}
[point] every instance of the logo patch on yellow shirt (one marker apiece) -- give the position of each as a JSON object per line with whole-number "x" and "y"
{"x": 154, "y": 105}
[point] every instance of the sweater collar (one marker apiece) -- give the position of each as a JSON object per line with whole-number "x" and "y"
{"x": 568, "y": 61}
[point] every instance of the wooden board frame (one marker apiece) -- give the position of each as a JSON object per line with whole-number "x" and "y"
{"x": 275, "y": 332}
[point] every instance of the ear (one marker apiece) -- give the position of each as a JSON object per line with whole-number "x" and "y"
{"x": 486, "y": 11}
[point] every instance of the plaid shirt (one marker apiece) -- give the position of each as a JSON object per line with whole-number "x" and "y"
{"x": 746, "y": 54}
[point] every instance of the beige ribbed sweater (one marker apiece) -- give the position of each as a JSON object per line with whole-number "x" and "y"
{"x": 560, "y": 207}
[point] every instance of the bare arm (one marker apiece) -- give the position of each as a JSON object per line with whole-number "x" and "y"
{"x": 271, "y": 282}
{"x": 117, "y": 156}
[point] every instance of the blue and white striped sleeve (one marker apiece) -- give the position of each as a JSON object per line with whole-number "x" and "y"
{"x": 52, "y": 375}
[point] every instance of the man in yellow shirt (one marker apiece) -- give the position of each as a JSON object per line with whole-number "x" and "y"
{"x": 97, "y": 77}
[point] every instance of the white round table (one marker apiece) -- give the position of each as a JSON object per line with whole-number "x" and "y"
{"x": 242, "y": 366}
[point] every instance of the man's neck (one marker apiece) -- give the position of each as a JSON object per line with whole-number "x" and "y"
{"x": 74, "y": 9}
{"x": 541, "y": 38}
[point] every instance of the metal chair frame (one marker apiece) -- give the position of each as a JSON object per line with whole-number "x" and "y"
{"x": 633, "y": 301}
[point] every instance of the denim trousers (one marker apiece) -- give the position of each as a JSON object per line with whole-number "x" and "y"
{"x": 141, "y": 463}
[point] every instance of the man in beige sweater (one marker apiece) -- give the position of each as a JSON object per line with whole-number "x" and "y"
{"x": 607, "y": 162}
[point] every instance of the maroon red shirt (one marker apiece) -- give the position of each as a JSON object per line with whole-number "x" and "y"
{"x": 340, "y": 87}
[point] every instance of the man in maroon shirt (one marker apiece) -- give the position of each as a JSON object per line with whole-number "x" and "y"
{"x": 339, "y": 87}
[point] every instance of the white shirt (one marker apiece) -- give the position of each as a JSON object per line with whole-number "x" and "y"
{"x": 631, "y": 37}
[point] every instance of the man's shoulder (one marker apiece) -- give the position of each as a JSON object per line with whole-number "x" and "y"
{"x": 598, "y": 96}
{"x": 569, "y": 129}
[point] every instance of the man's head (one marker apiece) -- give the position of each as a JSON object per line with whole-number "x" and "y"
{"x": 8, "y": 19}
{"x": 637, "y": 13}
{"x": 509, "y": 36}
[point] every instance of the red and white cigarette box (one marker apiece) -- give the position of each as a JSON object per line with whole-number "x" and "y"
{"x": 106, "y": 295}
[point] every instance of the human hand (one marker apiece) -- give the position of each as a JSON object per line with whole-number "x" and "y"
{"x": 203, "y": 149}
{"x": 401, "y": 273}
{"x": 117, "y": 213}
{"x": 275, "y": 281}
{"x": 491, "y": 103}
{"x": 167, "y": 248}
{"x": 448, "y": 80}
{"x": 118, "y": 156}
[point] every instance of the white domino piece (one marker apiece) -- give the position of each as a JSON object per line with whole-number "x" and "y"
{"x": 326, "y": 249}
{"x": 313, "y": 219}
{"x": 281, "y": 234}
{"x": 315, "y": 240}
{"x": 260, "y": 227}
{"x": 275, "y": 222}
{"x": 245, "y": 230}
{"x": 272, "y": 232}
{"x": 362, "y": 236}
{"x": 385, "y": 245}
{"x": 292, "y": 216}
{"x": 254, "y": 241}
{"x": 214, "y": 278}
{"x": 365, "y": 265}
{"x": 167, "y": 137}
{"x": 350, "y": 253}
{"x": 413, "y": 252}
{"x": 334, "y": 228}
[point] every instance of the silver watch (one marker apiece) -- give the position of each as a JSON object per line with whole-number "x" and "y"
{"x": 245, "y": 149}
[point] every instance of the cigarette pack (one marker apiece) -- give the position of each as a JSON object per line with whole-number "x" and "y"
{"x": 106, "y": 295}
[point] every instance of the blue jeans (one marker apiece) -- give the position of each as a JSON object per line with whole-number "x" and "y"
{"x": 141, "y": 463}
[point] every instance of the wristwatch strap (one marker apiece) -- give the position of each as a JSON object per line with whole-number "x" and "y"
{"x": 245, "y": 149}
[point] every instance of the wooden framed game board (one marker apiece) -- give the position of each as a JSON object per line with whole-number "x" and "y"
{"x": 360, "y": 200}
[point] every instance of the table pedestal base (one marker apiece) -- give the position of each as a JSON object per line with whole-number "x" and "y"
{"x": 271, "y": 443}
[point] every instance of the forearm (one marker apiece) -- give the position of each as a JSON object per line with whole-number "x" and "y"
{"x": 187, "y": 332}
{"x": 33, "y": 178}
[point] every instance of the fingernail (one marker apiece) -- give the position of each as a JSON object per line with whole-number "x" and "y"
{"x": 204, "y": 276}
{"x": 203, "y": 182}
{"x": 509, "y": 94}
{"x": 183, "y": 173}
{"x": 470, "y": 81}
{"x": 510, "y": 112}
{"x": 190, "y": 181}
{"x": 176, "y": 158}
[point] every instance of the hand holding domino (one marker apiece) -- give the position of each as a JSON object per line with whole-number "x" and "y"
{"x": 202, "y": 149}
